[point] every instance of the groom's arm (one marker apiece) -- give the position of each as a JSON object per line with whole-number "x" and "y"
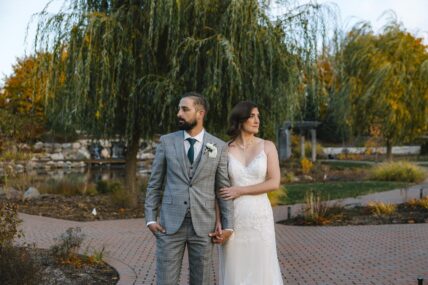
{"x": 155, "y": 184}
{"x": 222, "y": 180}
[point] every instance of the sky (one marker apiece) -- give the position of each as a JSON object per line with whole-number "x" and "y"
{"x": 16, "y": 14}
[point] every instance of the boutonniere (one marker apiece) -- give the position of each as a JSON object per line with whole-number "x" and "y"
{"x": 211, "y": 149}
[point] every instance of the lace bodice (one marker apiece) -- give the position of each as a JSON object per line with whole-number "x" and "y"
{"x": 253, "y": 173}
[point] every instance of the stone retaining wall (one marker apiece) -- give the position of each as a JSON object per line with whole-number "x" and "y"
{"x": 48, "y": 156}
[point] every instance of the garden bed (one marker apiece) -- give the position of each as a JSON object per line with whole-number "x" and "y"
{"x": 339, "y": 216}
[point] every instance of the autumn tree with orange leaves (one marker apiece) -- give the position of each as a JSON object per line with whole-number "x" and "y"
{"x": 21, "y": 113}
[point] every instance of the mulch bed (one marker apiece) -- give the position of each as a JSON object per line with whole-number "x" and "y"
{"x": 47, "y": 270}
{"x": 75, "y": 208}
{"x": 78, "y": 208}
{"x": 363, "y": 216}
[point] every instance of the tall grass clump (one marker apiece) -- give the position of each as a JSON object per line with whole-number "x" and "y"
{"x": 397, "y": 171}
{"x": 422, "y": 203}
{"x": 319, "y": 212}
{"x": 381, "y": 209}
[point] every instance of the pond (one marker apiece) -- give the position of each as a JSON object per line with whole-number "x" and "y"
{"x": 73, "y": 180}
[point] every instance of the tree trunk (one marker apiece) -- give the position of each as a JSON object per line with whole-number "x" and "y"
{"x": 388, "y": 150}
{"x": 131, "y": 170}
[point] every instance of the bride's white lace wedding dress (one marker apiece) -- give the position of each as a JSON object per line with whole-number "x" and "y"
{"x": 249, "y": 257}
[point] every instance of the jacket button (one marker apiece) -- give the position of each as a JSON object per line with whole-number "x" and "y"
{"x": 185, "y": 202}
{"x": 190, "y": 185}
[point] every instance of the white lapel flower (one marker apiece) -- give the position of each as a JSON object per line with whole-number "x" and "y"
{"x": 211, "y": 149}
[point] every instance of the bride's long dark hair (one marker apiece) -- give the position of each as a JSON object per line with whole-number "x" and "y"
{"x": 239, "y": 114}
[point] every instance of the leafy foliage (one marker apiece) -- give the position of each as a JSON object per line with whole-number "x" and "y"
{"x": 382, "y": 83}
{"x": 17, "y": 267}
{"x": 119, "y": 67}
{"x": 68, "y": 244}
{"x": 9, "y": 222}
{"x": 21, "y": 113}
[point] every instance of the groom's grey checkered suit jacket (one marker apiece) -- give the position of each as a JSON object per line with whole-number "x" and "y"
{"x": 171, "y": 189}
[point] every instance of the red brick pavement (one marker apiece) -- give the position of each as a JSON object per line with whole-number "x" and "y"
{"x": 387, "y": 254}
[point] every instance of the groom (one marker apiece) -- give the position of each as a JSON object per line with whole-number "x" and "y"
{"x": 189, "y": 168}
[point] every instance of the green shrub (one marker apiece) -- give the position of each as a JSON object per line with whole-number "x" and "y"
{"x": 9, "y": 222}
{"x": 103, "y": 187}
{"x": 68, "y": 244}
{"x": 397, "y": 171}
{"x": 17, "y": 267}
{"x": 66, "y": 187}
{"x": 275, "y": 197}
{"x": 119, "y": 196}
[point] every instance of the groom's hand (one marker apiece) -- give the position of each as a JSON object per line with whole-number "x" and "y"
{"x": 155, "y": 227}
{"x": 220, "y": 237}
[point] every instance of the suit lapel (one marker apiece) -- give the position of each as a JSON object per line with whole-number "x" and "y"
{"x": 202, "y": 154}
{"x": 179, "y": 149}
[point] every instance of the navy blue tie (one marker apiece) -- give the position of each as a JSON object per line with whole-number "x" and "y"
{"x": 191, "y": 151}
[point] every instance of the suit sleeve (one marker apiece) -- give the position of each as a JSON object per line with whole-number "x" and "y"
{"x": 155, "y": 184}
{"x": 222, "y": 180}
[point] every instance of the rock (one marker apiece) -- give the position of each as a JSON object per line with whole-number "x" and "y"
{"x": 76, "y": 145}
{"x": 83, "y": 154}
{"x": 146, "y": 156}
{"x": 307, "y": 178}
{"x": 38, "y": 146}
{"x": 57, "y": 156}
{"x": 66, "y": 146}
{"x": 19, "y": 168}
{"x": 31, "y": 193}
{"x": 13, "y": 194}
{"x": 295, "y": 179}
{"x": 30, "y": 165}
{"x": 24, "y": 147}
{"x": 60, "y": 164}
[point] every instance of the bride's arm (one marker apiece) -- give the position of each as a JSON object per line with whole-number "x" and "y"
{"x": 217, "y": 218}
{"x": 272, "y": 182}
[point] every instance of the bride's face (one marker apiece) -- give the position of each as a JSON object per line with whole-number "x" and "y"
{"x": 252, "y": 124}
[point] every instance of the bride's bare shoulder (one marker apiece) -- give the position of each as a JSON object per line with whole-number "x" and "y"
{"x": 269, "y": 146}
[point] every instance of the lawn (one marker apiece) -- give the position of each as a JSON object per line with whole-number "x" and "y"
{"x": 337, "y": 190}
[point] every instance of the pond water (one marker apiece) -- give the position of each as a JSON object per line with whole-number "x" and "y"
{"x": 77, "y": 176}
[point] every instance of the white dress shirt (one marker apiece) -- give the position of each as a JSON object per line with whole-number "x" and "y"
{"x": 198, "y": 143}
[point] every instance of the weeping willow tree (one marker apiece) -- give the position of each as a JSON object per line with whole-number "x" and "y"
{"x": 118, "y": 67}
{"x": 383, "y": 83}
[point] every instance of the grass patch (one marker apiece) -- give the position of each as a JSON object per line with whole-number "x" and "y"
{"x": 337, "y": 190}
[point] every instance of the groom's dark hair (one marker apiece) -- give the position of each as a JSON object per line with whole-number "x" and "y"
{"x": 198, "y": 99}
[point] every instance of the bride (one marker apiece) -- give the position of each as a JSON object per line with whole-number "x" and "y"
{"x": 249, "y": 256}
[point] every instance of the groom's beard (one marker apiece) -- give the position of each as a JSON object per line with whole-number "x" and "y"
{"x": 186, "y": 126}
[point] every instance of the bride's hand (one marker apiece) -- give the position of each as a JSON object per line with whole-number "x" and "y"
{"x": 228, "y": 193}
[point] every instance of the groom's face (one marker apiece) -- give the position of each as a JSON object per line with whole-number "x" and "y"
{"x": 188, "y": 115}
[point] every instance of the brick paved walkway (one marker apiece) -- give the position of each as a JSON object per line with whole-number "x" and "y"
{"x": 387, "y": 254}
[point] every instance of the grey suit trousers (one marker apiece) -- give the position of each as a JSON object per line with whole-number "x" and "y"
{"x": 170, "y": 252}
